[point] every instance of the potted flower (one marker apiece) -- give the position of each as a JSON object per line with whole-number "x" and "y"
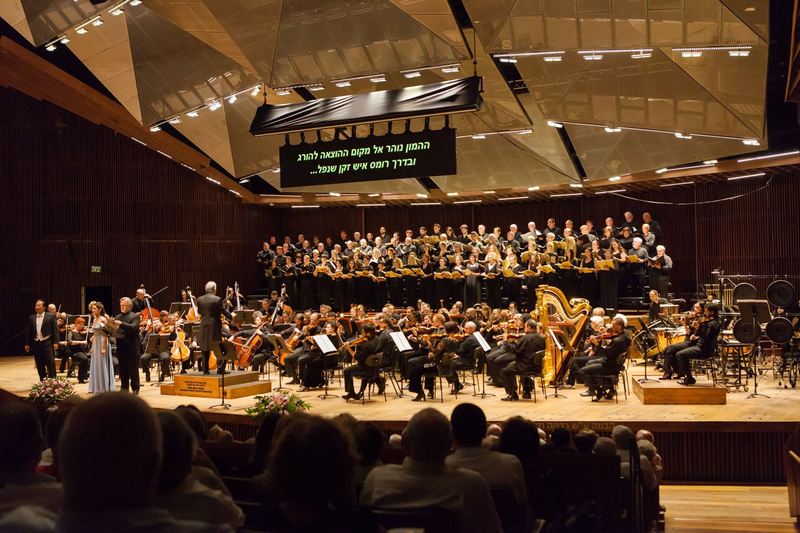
{"x": 282, "y": 404}
{"x": 49, "y": 392}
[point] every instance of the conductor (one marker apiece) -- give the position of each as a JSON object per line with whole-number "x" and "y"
{"x": 210, "y": 335}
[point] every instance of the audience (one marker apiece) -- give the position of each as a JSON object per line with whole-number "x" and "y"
{"x": 623, "y": 436}
{"x": 585, "y": 440}
{"x": 424, "y": 480}
{"x": 48, "y": 464}
{"x": 369, "y": 444}
{"x": 560, "y": 442}
{"x": 520, "y": 438}
{"x": 499, "y": 470}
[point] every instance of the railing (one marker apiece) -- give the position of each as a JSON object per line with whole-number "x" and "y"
{"x": 792, "y": 463}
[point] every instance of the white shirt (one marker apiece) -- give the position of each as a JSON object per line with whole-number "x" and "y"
{"x": 39, "y": 321}
{"x": 413, "y": 485}
{"x": 497, "y": 469}
{"x": 191, "y": 500}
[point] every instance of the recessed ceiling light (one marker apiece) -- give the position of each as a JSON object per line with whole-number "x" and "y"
{"x": 751, "y": 142}
{"x": 614, "y": 178}
{"x": 116, "y": 12}
{"x": 50, "y": 47}
{"x": 691, "y": 53}
{"x": 534, "y": 188}
{"x": 552, "y": 59}
{"x": 746, "y": 176}
{"x": 768, "y": 156}
{"x": 554, "y": 124}
{"x": 374, "y": 195}
{"x": 175, "y": 120}
{"x": 451, "y": 69}
{"x": 467, "y": 202}
{"x": 479, "y": 136}
{"x": 738, "y": 53}
{"x": 305, "y": 206}
{"x": 489, "y": 192}
{"x": 283, "y": 92}
{"x": 214, "y": 106}
{"x": 337, "y": 194}
{"x": 427, "y": 203}
{"x": 508, "y": 60}
{"x": 81, "y": 31}
{"x": 641, "y": 55}
{"x": 370, "y": 205}
{"x": 452, "y": 194}
{"x": 710, "y": 162}
{"x": 420, "y": 195}
{"x": 592, "y": 57}
{"x": 513, "y": 198}
{"x": 256, "y": 90}
{"x": 316, "y": 88}
{"x": 378, "y": 79}
{"x": 155, "y": 128}
{"x": 661, "y": 170}
{"x": 575, "y": 185}
{"x": 212, "y": 180}
{"x": 343, "y": 84}
{"x": 565, "y": 194}
{"x": 610, "y": 129}
{"x": 413, "y": 74}
{"x": 232, "y": 99}
{"x": 64, "y": 40}
{"x": 97, "y": 22}
{"x": 136, "y": 2}
{"x": 682, "y": 136}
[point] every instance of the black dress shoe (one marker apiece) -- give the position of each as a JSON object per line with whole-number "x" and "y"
{"x": 348, "y": 396}
{"x": 358, "y": 396}
{"x": 587, "y": 393}
{"x": 147, "y": 377}
{"x": 609, "y": 395}
{"x": 526, "y": 395}
{"x": 206, "y": 372}
{"x": 510, "y": 398}
{"x": 431, "y": 394}
{"x": 457, "y": 389}
{"x": 420, "y": 397}
{"x": 665, "y": 377}
{"x": 687, "y": 381}
{"x": 292, "y": 382}
{"x": 221, "y": 372}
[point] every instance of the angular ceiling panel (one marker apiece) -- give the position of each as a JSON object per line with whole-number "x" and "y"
{"x": 754, "y": 13}
{"x": 47, "y": 19}
{"x": 12, "y": 12}
{"x": 209, "y": 132}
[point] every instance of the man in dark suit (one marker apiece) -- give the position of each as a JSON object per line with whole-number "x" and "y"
{"x": 209, "y": 337}
{"x": 364, "y": 350}
{"x": 609, "y": 360}
{"x": 41, "y": 339}
{"x": 525, "y": 350}
{"x": 129, "y": 346}
{"x": 465, "y": 355}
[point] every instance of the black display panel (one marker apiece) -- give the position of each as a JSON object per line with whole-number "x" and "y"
{"x": 391, "y": 156}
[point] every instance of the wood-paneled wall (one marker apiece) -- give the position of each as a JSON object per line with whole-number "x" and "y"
{"x": 76, "y": 194}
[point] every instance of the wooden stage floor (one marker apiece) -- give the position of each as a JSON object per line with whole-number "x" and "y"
{"x": 780, "y": 410}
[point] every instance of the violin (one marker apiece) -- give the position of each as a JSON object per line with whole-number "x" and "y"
{"x": 595, "y": 339}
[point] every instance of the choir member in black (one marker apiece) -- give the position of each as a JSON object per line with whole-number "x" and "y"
{"x": 77, "y": 344}
{"x": 442, "y": 284}
{"x": 704, "y": 344}
{"x": 379, "y": 285}
{"x": 351, "y": 286}
{"x": 526, "y": 360}
{"x": 655, "y": 227}
{"x": 472, "y": 282}
{"x": 457, "y": 284}
{"x": 607, "y": 361}
{"x": 432, "y": 365}
{"x": 365, "y": 285}
{"x": 569, "y": 276}
{"x": 494, "y": 280}
{"x": 394, "y": 282}
{"x": 310, "y": 365}
{"x": 609, "y": 279}
{"x": 531, "y": 281}
{"x": 608, "y": 236}
{"x": 654, "y": 311}
{"x": 324, "y": 280}
{"x": 660, "y": 267}
{"x": 636, "y": 271}
{"x": 465, "y": 354}
{"x": 340, "y": 302}
{"x": 512, "y": 285}
{"x": 290, "y": 275}
{"x": 550, "y": 278}
{"x": 306, "y": 288}
{"x": 363, "y": 351}
{"x": 427, "y": 291}
{"x": 589, "y": 288}
{"x": 410, "y": 281}
{"x": 626, "y": 237}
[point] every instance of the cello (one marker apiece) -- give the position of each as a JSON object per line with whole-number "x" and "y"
{"x": 179, "y": 352}
{"x": 247, "y": 349}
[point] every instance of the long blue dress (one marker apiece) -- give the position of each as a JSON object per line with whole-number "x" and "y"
{"x": 101, "y": 367}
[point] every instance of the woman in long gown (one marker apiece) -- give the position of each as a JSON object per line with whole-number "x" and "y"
{"x": 101, "y": 366}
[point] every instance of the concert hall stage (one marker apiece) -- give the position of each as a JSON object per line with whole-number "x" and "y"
{"x": 700, "y": 442}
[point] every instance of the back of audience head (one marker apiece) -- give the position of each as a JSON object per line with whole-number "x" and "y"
{"x": 191, "y": 415}
{"x": 644, "y": 434}
{"x": 110, "y": 454}
{"x": 427, "y": 437}
{"x": 312, "y": 462}
{"x": 647, "y": 449}
{"x": 469, "y": 425}
{"x": 605, "y": 446}
{"x": 622, "y": 436}
{"x": 264, "y": 439}
{"x": 369, "y": 442}
{"x": 20, "y": 437}
{"x": 178, "y": 445}
{"x": 56, "y": 421}
{"x": 561, "y": 438}
{"x": 520, "y": 437}
{"x": 585, "y": 440}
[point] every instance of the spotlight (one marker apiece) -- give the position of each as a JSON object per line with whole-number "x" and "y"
{"x": 575, "y": 185}
{"x": 50, "y": 47}
{"x": 232, "y": 99}
{"x": 508, "y": 60}
{"x": 214, "y": 106}
{"x": 343, "y": 84}
{"x": 534, "y": 188}
{"x": 97, "y": 22}
{"x": 479, "y": 136}
{"x": 192, "y": 114}
{"x": 256, "y": 90}
{"x": 552, "y": 59}
{"x": 413, "y": 74}
{"x": 614, "y": 178}
{"x": 81, "y": 31}
{"x": 155, "y": 128}
{"x": 316, "y": 88}
{"x": 64, "y": 40}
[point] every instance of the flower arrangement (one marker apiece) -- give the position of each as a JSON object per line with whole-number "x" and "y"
{"x": 282, "y": 404}
{"x": 49, "y": 392}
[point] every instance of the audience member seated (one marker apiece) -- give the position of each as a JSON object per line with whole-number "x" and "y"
{"x": 109, "y": 458}
{"x": 498, "y": 469}
{"x": 520, "y": 438}
{"x": 623, "y": 436}
{"x": 369, "y": 444}
{"x": 585, "y": 440}
{"x": 262, "y": 446}
{"x": 425, "y": 481}
{"x": 20, "y": 450}
{"x": 179, "y": 491}
{"x": 605, "y": 447}
{"x": 560, "y": 442}
{"x": 48, "y": 464}
{"x": 655, "y": 460}
{"x": 203, "y": 468}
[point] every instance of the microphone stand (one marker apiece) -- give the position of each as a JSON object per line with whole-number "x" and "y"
{"x": 645, "y": 379}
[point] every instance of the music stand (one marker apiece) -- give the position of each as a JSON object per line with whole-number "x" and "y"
{"x": 181, "y": 308}
{"x": 646, "y": 331}
{"x": 157, "y": 343}
{"x": 279, "y": 346}
{"x": 243, "y": 316}
{"x": 555, "y": 363}
{"x": 403, "y": 347}
{"x": 224, "y": 351}
{"x": 486, "y": 349}
{"x": 757, "y": 312}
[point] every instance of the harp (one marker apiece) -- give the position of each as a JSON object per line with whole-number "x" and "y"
{"x": 563, "y": 323}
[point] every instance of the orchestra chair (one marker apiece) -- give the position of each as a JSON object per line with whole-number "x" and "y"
{"x": 710, "y": 366}
{"x": 330, "y": 364}
{"x": 374, "y": 370}
{"x": 433, "y": 519}
{"x": 467, "y": 374}
{"x": 444, "y": 370}
{"x": 611, "y": 379}
{"x": 537, "y": 372}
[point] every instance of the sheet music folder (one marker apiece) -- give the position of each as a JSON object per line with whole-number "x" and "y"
{"x": 400, "y": 341}
{"x": 482, "y": 341}
{"x": 324, "y": 344}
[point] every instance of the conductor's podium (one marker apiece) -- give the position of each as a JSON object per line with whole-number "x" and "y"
{"x": 669, "y": 392}
{"x": 238, "y": 384}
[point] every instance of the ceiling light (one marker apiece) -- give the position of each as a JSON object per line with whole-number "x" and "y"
{"x": 305, "y": 206}
{"x": 552, "y": 59}
{"x": 155, "y": 128}
{"x": 520, "y": 132}
{"x": 565, "y": 194}
{"x": 235, "y": 192}
{"x": 192, "y": 114}
{"x": 343, "y": 84}
{"x": 513, "y": 198}
{"x": 81, "y": 31}
{"x": 374, "y": 195}
{"x": 749, "y": 9}
{"x": 751, "y": 142}
{"x": 378, "y": 79}
{"x": 690, "y": 53}
{"x": 489, "y": 192}
{"x": 138, "y": 141}
{"x": 276, "y": 170}
{"x": 451, "y": 69}
{"x": 256, "y": 90}
{"x": 593, "y": 57}
{"x": 479, "y": 136}
{"x": 661, "y": 170}
{"x": 214, "y": 106}
{"x": 187, "y": 166}
{"x": 97, "y": 22}
{"x": 770, "y": 156}
{"x": 427, "y": 203}
{"x": 682, "y": 136}
{"x": 370, "y": 205}
{"x": 611, "y": 191}
{"x": 337, "y": 194}
{"x": 554, "y": 124}
{"x": 756, "y": 175}
{"x": 175, "y": 120}
{"x": 610, "y": 129}
{"x": 64, "y": 39}
{"x": 641, "y": 55}
{"x": 614, "y": 178}
{"x": 212, "y": 180}
{"x": 676, "y": 184}
{"x": 283, "y": 92}
{"x": 116, "y": 12}
{"x": 508, "y": 60}
{"x": 136, "y": 2}
{"x": 50, "y": 47}
{"x": 452, "y": 194}
{"x": 534, "y": 188}
{"x": 412, "y": 74}
{"x": 164, "y": 154}
{"x": 316, "y": 88}
{"x": 420, "y": 195}
{"x": 467, "y": 202}
{"x": 710, "y": 162}
{"x": 738, "y": 53}
{"x": 232, "y": 99}
{"x": 575, "y": 185}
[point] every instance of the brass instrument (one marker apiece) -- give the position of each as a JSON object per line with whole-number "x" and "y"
{"x": 570, "y": 319}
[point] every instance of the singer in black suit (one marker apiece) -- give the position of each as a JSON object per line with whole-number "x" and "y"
{"x": 129, "y": 346}
{"x": 209, "y": 337}
{"x": 41, "y": 339}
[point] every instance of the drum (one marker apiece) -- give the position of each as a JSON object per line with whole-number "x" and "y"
{"x": 746, "y": 331}
{"x": 780, "y": 293}
{"x": 779, "y": 330}
{"x": 744, "y": 291}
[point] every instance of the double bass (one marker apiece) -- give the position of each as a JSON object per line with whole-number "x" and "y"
{"x": 148, "y": 314}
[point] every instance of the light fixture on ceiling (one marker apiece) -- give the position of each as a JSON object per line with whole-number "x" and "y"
{"x": 378, "y": 79}
{"x": 452, "y": 194}
{"x": 255, "y": 91}
{"x": 81, "y": 31}
{"x": 478, "y": 136}
{"x": 662, "y": 170}
{"x": 576, "y": 185}
{"x": 305, "y": 207}
{"x": 691, "y": 53}
{"x": 738, "y": 53}
{"x": 676, "y": 184}
{"x": 336, "y": 194}
{"x": 136, "y": 2}
{"x": 612, "y": 129}
{"x": 370, "y": 205}
{"x": 232, "y": 99}
{"x": 746, "y": 176}
{"x": 710, "y": 162}
{"x": 552, "y": 59}
{"x": 343, "y": 84}
{"x": 554, "y": 124}
{"x": 509, "y": 198}
{"x": 566, "y": 194}
{"x": 164, "y": 154}
{"x": 141, "y": 142}
{"x": 592, "y": 57}
{"x": 374, "y": 195}
{"x": 614, "y": 178}
{"x": 214, "y": 105}
{"x": 316, "y": 88}
{"x": 155, "y": 128}
{"x": 283, "y": 92}
{"x": 451, "y": 69}
{"x": 412, "y": 74}
{"x": 175, "y": 120}
{"x": 679, "y": 135}
{"x": 235, "y": 193}
{"x": 461, "y": 202}
{"x": 611, "y": 191}
{"x": 768, "y": 156}
{"x": 64, "y": 39}
{"x": 751, "y": 142}
{"x": 642, "y": 54}
{"x": 97, "y": 21}
{"x": 426, "y": 203}
{"x": 489, "y": 192}
{"x": 212, "y": 180}
{"x": 187, "y": 166}
{"x": 193, "y": 114}
{"x": 276, "y": 170}
{"x": 116, "y": 12}
{"x": 508, "y": 59}
{"x": 534, "y": 188}
{"x": 50, "y": 47}
{"x": 421, "y": 195}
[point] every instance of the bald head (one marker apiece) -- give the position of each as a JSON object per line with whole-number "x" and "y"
{"x": 427, "y": 437}
{"x": 110, "y": 454}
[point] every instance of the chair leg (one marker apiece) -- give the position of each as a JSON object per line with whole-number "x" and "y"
{"x": 441, "y": 389}
{"x": 534, "y": 388}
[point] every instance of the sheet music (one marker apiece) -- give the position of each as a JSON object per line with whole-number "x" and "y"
{"x": 400, "y": 341}
{"x": 484, "y": 345}
{"x": 324, "y": 344}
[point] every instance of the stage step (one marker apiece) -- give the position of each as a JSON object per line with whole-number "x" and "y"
{"x": 668, "y": 392}
{"x": 237, "y": 385}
